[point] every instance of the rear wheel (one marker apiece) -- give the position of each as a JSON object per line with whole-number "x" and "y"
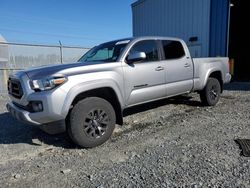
{"x": 91, "y": 123}
{"x": 210, "y": 95}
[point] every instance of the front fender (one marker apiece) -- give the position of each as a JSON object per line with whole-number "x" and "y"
{"x": 87, "y": 86}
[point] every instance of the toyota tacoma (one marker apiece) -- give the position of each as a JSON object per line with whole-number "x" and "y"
{"x": 88, "y": 97}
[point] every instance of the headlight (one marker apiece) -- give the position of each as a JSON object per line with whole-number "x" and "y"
{"x": 47, "y": 84}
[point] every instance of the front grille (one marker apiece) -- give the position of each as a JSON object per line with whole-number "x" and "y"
{"x": 15, "y": 88}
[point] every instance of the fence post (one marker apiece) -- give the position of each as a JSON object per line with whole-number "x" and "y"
{"x": 61, "y": 51}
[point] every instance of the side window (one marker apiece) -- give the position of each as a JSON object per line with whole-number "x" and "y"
{"x": 172, "y": 49}
{"x": 147, "y": 46}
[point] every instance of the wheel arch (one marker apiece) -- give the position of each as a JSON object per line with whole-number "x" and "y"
{"x": 217, "y": 74}
{"x": 106, "y": 93}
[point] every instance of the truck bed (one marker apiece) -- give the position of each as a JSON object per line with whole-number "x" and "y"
{"x": 204, "y": 66}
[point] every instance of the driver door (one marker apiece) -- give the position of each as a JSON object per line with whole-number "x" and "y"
{"x": 144, "y": 80}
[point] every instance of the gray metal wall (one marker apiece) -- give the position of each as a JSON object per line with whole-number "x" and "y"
{"x": 14, "y": 57}
{"x": 175, "y": 18}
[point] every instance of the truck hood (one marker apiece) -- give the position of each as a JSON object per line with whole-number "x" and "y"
{"x": 62, "y": 69}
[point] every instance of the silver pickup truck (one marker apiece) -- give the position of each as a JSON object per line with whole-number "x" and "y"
{"x": 89, "y": 96}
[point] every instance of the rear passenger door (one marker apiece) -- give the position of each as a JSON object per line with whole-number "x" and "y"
{"x": 179, "y": 68}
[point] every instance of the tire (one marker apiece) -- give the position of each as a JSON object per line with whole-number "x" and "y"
{"x": 91, "y": 122}
{"x": 210, "y": 95}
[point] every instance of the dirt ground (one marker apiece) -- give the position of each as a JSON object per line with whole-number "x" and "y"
{"x": 169, "y": 143}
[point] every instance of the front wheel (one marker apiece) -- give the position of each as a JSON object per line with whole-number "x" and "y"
{"x": 210, "y": 95}
{"x": 92, "y": 121}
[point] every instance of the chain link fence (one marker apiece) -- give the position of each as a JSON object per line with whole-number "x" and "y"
{"x": 16, "y": 56}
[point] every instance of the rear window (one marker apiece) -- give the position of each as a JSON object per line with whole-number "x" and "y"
{"x": 172, "y": 49}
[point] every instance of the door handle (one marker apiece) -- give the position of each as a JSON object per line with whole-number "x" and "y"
{"x": 160, "y": 68}
{"x": 187, "y": 65}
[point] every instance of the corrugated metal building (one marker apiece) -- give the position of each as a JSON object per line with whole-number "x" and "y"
{"x": 203, "y": 24}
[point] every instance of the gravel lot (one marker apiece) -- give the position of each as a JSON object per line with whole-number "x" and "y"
{"x": 174, "y": 142}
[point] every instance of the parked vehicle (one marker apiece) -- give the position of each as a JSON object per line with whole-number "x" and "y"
{"x": 90, "y": 95}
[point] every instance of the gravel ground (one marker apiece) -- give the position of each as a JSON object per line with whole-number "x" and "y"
{"x": 169, "y": 143}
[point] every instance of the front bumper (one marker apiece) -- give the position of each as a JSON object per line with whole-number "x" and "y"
{"x": 25, "y": 117}
{"x": 51, "y": 100}
{"x": 20, "y": 114}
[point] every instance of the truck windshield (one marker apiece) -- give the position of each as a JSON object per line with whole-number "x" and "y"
{"x": 107, "y": 52}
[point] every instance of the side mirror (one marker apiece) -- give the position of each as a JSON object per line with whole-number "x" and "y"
{"x": 137, "y": 56}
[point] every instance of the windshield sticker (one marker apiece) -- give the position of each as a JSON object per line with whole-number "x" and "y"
{"x": 123, "y": 42}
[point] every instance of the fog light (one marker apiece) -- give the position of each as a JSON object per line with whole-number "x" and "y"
{"x": 37, "y": 106}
